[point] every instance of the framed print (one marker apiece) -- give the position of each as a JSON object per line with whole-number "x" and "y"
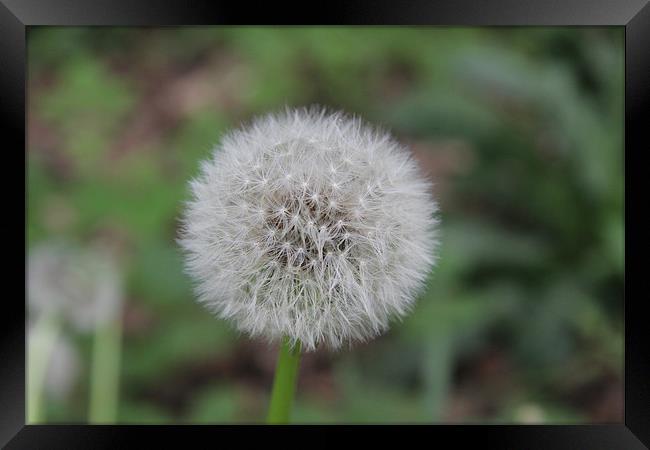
{"x": 371, "y": 218}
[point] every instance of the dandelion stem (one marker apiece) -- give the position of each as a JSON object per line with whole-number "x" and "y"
{"x": 104, "y": 381}
{"x": 39, "y": 351}
{"x": 284, "y": 384}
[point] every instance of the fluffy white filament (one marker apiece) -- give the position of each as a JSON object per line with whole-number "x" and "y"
{"x": 311, "y": 225}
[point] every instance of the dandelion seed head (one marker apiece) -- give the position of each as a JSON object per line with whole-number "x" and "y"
{"x": 325, "y": 273}
{"x": 80, "y": 285}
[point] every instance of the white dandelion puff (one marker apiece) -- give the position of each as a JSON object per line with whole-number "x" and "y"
{"x": 336, "y": 239}
{"x": 80, "y": 285}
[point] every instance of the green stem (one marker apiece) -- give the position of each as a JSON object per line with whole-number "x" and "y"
{"x": 105, "y": 370}
{"x": 284, "y": 385}
{"x": 39, "y": 351}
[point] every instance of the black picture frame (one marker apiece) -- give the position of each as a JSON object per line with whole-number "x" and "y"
{"x": 16, "y": 16}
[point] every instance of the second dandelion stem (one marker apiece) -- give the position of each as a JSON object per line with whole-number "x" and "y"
{"x": 41, "y": 341}
{"x": 105, "y": 371}
{"x": 284, "y": 384}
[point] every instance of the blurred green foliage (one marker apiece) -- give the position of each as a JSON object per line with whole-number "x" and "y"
{"x": 520, "y": 128}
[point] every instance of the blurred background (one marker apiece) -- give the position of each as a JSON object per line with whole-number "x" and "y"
{"x": 520, "y": 129}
